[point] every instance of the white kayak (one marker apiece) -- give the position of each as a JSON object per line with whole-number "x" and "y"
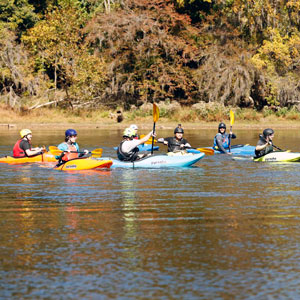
{"x": 280, "y": 156}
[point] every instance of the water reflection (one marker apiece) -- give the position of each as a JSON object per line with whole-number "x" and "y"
{"x": 223, "y": 229}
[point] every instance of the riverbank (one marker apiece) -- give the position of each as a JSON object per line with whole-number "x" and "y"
{"x": 54, "y": 118}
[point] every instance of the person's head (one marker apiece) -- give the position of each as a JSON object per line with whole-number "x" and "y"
{"x": 26, "y": 133}
{"x": 268, "y": 133}
{"x": 128, "y": 133}
{"x": 221, "y": 127}
{"x": 134, "y": 127}
{"x": 70, "y": 135}
{"x": 178, "y": 131}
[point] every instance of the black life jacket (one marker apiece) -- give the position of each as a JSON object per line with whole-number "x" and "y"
{"x": 174, "y": 144}
{"x": 130, "y": 156}
{"x": 265, "y": 151}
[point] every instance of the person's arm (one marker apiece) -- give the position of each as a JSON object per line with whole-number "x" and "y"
{"x": 233, "y": 136}
{"x": 163, "y": 141}
{"x": 31, "y": 152}
{"x": 220, "y": 144}
{"x": 81, "y": 154}
{"x": 145, "y": 138}
{"x": 185, "y": 144}
{"x": 261, "y": 147}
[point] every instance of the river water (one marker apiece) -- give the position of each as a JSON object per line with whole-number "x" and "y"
{"x": 224, "y": 229}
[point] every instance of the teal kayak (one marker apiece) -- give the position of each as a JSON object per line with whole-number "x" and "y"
{"x": 159, "y": 161}
{"x": 244, "y": 150}
{"x": 145, "y": 147}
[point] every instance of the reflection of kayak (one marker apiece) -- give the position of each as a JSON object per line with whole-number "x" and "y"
{"x": 160, "y": 161}
{"x": 145, "y": 147}
{"x": 235, "y": 149}
{"x": 84, "y": 163}
{"x": 283, "y": 156}
{"x": 45, "y": 157}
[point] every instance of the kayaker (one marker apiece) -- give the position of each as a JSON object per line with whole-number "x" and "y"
{"x": 176, "y": 143}
{"x": 135, "y": 128}
{"x": 69, "y": 147}
{"x": 221, "y": 140}
{"x": 128, "y": 148}
{"x": 265, "y": 143}
{"x": 23, "y": 147}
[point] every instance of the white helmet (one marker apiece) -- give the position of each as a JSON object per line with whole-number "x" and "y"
{"x": 133, "y": 126}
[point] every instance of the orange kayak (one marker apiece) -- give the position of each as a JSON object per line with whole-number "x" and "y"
{"x": 84, "y": 163}
{"x": 41, "y": 158}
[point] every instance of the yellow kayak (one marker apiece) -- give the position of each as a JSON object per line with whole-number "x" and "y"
{"x": 41, "y": 158}
{"x": 84, "y": 163}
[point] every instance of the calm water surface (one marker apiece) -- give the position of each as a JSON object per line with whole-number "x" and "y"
{"x": 224, "y": 229}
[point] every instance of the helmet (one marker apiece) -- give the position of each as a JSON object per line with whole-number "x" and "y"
{"x": 25, "y": 132}
{"x": 128, "y": 132}
{"x": 222, "y": 125}
{"x": 133, "y": 126}
{"x": 70, "y": 132}
{"x": 178, "y": 129}
{"x": 267, "y": 132}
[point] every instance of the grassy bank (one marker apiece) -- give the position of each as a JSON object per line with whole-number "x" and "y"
{"x": 202, "y": 117}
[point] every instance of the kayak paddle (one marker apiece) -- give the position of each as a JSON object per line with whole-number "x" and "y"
{"x": 231, "y": 123}
{"x": 95, "y": 153}
{"x": 155, "y": 119}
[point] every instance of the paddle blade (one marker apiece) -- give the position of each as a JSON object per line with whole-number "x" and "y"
{"x": 231, "y": 117}
{"x": 55, "y": 151}
{"x": 149, "y": 140}
{"x": 206, "y": 151}
{"x": 155, "y": 112}
{"x": 97, "y": 152}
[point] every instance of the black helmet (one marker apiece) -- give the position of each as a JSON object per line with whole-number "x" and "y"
{"x": 222, "y": 125}
{"x": 178, "y": 129}
{"x": 267, "y": 132}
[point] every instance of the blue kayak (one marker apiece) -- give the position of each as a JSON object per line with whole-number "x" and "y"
{"x": 159, "y": 161}
{"x": 245, "y": 150}
{"x": 145, "y": 147}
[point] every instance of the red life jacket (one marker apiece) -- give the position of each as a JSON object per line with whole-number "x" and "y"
{"x": 17, "y": 151}
{"x": 71, "y": 155}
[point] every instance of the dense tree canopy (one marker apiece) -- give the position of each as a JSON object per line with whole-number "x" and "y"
{"x": 121, "y": 52}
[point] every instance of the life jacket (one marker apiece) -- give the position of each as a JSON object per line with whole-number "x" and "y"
{"x": 225, "y": 140}
{"x": 174, "y": 144}
{"x": 264, "y": 151}
{"x": 130, "y": 156}
{"x": 17, "y": 151}
{"x": 67, "y": 156}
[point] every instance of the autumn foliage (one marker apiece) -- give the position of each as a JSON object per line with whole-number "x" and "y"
{"x": 124, "y": 53}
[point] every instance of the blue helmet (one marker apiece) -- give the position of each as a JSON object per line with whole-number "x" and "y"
{"x": 70, "y": 132}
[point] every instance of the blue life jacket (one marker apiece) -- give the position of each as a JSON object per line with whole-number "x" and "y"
{"x": 225, "y": 140}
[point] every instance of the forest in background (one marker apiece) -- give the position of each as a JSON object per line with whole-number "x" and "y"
{"x": 120, "y": 53}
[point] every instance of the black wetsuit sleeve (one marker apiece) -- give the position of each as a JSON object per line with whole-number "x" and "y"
{"x": 220, "y": 144}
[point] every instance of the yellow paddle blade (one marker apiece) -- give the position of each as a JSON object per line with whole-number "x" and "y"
{"x": 231, "y": 117}
{"x": 55, "y": 152}
{"x": 97, "y": 152}
{"x": 155, "y": 112}
{"x": 206, "y": 151}
{"x": 149, "y": 141}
